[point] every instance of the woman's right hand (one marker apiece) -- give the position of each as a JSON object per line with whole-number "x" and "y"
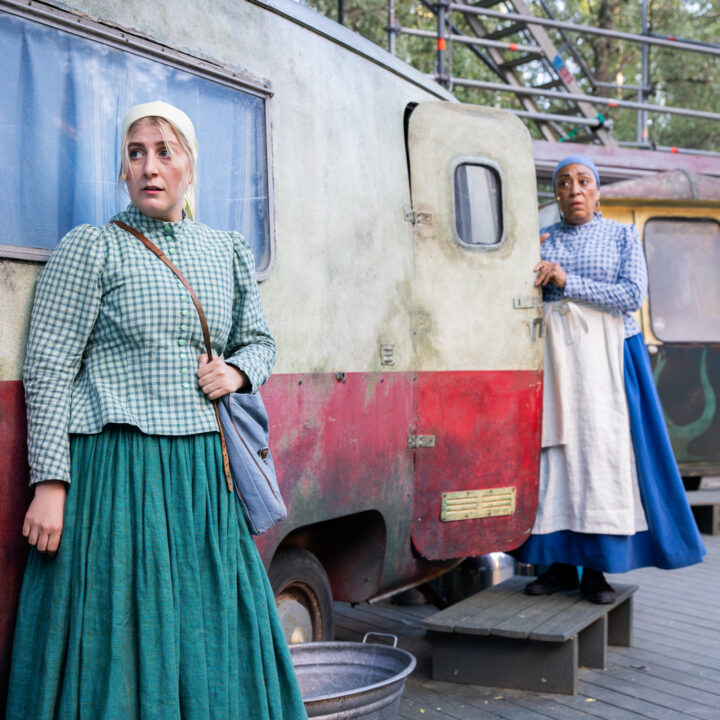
{"x": 44, "y": 519}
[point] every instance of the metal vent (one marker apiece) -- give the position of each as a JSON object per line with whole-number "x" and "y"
{"x": 470, "y": 504}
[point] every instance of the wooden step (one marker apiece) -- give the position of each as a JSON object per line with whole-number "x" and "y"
{"x": 504, "y": 638}
{"x": 703, "y": 497}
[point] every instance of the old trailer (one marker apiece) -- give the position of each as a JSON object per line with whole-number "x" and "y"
{"x": 394, "y": 229}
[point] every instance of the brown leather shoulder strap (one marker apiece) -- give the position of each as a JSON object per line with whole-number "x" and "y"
{"x": 157, "y": 251}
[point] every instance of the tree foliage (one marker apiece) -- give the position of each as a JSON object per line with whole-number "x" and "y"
{"x": 677, "y": 78}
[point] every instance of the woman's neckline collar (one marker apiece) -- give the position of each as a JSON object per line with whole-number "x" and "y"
{"x": 152, "y": 223}
{"x": 575, "y": 228}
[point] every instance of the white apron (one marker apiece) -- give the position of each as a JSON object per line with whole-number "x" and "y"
{"x": 588, "y": 479}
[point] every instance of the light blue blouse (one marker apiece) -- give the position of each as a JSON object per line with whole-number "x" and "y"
{"x": 605, "y": 266}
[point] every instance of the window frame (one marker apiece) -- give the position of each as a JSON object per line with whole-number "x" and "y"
{"x": 486, "y": 162}
{"x": 133, "y": 43}
{"x": 671, "y": 218}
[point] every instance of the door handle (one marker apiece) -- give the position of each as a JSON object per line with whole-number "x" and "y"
{"x": 537, "y": 329}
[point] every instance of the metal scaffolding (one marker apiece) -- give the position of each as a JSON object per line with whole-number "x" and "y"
{"x": 505, "y": 35}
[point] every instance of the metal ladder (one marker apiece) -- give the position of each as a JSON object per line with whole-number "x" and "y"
{"x": 515, "y": 43}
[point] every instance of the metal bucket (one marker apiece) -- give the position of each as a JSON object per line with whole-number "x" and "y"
{"x": 343, "y": 680}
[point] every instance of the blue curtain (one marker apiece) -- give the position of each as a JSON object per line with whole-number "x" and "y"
{"x": 63, "y": 98}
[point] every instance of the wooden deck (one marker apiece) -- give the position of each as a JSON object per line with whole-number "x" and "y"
{"x": 672, "y": 672}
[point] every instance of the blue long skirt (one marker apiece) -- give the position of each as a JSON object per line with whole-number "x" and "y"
{"x": 156, "y": 605}
{"x": 672, "y": 539}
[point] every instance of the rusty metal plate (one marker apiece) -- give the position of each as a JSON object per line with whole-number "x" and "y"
{"x": 470, "y": 504}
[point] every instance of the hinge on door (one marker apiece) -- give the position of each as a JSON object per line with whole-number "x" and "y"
{"x": 418, "y": 441}
{"x": 418, "y": 218}
{"x": 520, "y": 303}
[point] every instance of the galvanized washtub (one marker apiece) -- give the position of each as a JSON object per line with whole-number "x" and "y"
{"x": 344, "y": 680}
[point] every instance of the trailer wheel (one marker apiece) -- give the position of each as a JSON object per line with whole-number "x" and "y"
{"x": 303, "y": 595}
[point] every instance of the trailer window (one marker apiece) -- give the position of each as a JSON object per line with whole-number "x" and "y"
{"x": 63, "y": 98}
{"x": 683, "y": 257}
{"x": 478, "y": 205}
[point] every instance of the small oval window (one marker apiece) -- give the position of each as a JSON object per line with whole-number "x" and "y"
{"x": 478, "y": 205}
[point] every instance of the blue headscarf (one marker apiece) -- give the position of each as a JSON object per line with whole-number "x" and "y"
{"x": 576, "y": 160}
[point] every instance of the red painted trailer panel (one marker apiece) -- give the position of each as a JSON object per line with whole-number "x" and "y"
{"x": 14, "y": 499}
{"x": 339, "y": 443}
{"x": 487, "y": 435}
{"x": 358, "y": 496}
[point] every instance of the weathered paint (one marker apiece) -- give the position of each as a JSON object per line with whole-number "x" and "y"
{"x": 675, "y": 186}
{"x": 14, "y": 499}
{"x": 620, "y": 163}
{"x": 487, "y": 430}
{"x": 17, "y": 284}
{"x": 342, "y": 450}
{"x": 340, "y": 444}
{"x": 466, "y": 319}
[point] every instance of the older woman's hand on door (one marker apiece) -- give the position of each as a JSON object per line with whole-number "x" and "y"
{"x": 549, "y": 272}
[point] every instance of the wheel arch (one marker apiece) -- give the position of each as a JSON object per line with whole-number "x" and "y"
{"x": 351, "y": 549}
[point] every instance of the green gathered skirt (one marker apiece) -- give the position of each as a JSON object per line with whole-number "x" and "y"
{"x": 156, "y": 605}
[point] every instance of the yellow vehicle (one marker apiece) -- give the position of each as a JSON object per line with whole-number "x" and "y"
{"x": 677, "y": 214}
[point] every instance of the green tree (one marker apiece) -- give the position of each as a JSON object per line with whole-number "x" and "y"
{"x": 677, "y": 78}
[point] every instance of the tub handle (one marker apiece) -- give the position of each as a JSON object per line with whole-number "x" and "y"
{"x": 385, "y": 635}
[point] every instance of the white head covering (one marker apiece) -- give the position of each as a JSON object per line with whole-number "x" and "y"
{"x": 178, "y": 118}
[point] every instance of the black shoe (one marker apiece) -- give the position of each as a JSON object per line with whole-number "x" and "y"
{"x": 559, "y": 577}
{"x": 595, "y": 589}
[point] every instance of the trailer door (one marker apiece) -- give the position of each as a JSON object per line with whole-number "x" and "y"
{"x": 476, "y": 328}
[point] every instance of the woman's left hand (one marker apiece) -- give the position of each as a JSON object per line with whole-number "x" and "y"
{"x": 549, "y": 272}
{"x": 217, "y": 378}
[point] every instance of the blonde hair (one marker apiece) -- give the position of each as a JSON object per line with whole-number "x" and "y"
{"x": 163, "y": 124}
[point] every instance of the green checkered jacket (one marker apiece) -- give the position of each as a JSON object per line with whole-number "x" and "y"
{"x": 115, "y": 337}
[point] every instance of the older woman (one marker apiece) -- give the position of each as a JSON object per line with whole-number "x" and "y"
{"x": 144, "y": 595}
{"x": 611, "y": 498}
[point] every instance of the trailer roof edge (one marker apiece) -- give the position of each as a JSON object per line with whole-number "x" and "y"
{"x": 339, "y": 34}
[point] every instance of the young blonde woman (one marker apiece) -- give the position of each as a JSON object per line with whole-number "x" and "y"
{"x": 144, "y": 595}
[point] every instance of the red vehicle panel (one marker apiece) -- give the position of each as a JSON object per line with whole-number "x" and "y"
{"x": 487, "y": 435}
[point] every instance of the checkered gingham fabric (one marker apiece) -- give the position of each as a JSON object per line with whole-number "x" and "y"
{"x": 115, "y": 337}
{"x": 605, "y": 266}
